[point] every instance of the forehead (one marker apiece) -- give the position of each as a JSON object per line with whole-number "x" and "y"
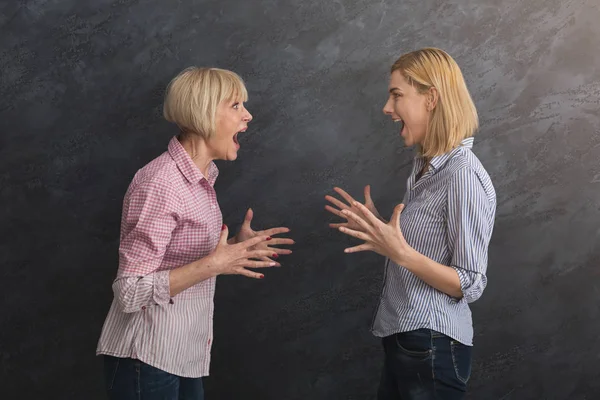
{"x": 397, "y": 80}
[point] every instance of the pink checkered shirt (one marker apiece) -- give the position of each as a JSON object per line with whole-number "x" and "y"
{"x": 170, "y": 218}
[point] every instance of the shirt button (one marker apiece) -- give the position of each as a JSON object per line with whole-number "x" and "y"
{"x": 208, "y": 341}
{"x": 143, "y": 307}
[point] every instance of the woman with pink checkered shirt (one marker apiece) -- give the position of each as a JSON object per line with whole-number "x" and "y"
{"x": 157, "y": 337}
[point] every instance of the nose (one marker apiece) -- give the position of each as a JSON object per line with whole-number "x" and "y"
{"x": 387, "y": 108}
{"x": 247, "y": 116}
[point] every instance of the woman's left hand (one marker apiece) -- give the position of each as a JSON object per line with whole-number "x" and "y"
{"x": 246, "y": 232}
{"x": 385, "y": 239}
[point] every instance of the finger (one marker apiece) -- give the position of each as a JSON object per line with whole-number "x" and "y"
{"x": 334, "y": 211}
{"x": 248, "y": 217}
{"x": 336, "y": 202}
{"x": 395, "y": 220}
{"x": 267, "y": 259}
{"x": 345, "y": 195}
{"x": 357, "y": 234}
{"x": 368, "y": 194}
{"x": 261, "y": 264}
{"x": 357, "y": 219}
{"x": 274, "y": 231}
{"x": 224, "y": 234}
{"x": 249, "y": 274}
{"x": 254, "y": 241}
{"x": 362, "y": 247}
{"x": 337, "y": 226}
{"x": 370, "y": 217}
{"x": 279, "y": 251}
{"x": 281, "y": 242}
{"x": 262, "y": 253}
{"x": 247, "y": 220}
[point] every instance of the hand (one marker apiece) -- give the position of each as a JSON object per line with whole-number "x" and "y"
{"x": 350, "y": 224}
{"x": 230, "y": 259}
{"x": 385, "y": 239}
{"x": 246, "y": 232}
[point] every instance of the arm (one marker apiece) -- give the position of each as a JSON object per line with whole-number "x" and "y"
{"x": 470, "y": 226}
{"x": 441, "y": 277}
{"x": 150, "y": 215}
{"x": 469, "y": 229}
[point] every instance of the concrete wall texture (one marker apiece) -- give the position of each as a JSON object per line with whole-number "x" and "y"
{"x": 81, "y": 86}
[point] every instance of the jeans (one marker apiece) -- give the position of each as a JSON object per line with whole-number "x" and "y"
{"x": 130, "y": 379}
{"x": 424, "y": 365}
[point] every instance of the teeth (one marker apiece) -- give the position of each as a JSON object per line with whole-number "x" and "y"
{"x": 397, "y": 120}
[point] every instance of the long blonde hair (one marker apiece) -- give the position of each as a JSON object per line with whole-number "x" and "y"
{"x": 454, "y": 117}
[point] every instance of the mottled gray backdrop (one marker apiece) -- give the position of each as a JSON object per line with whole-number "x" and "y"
{"x": 81, "y": 84}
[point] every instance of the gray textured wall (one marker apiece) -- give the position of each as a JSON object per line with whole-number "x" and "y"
{"x": 81, "y": 87}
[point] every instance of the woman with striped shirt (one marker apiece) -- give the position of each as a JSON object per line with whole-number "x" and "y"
{"x": 436, "y": 243}
{"x": 157, "y": 337}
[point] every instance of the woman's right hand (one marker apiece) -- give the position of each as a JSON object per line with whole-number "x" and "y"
{"x": 350, "y": 224}
{"x": 233, "y": 259}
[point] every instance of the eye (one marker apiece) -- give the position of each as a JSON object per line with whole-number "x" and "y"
{"x": 236, "y": 106}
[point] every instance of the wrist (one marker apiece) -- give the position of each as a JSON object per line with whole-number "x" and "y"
{"x": 210, "y": 265}
{"x": 407, "y": 257}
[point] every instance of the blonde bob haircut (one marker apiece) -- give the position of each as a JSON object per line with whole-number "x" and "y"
{"x": 454, "y": 116}
{"x": 193, "y": 96}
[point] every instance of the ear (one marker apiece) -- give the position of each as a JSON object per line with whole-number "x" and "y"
{"x": 432, "y": 98}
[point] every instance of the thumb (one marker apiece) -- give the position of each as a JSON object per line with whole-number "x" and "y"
{"x": 395, "y": 220}
{"x": 248, "y": 217}
{"x": 367, "y": 193}
{"x": 224, "y": 235}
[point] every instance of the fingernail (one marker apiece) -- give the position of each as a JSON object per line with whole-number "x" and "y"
{"x": 273, "y": 264}
{"x": 275, "y": 255}
{"x": 269, "y": 238}
{"x": 223, "y": 227}
{"x": 261, "y": 277}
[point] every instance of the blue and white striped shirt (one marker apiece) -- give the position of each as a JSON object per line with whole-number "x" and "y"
{"x": 449, "y": 217}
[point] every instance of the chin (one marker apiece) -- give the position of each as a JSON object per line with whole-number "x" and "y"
{"x": 232, "y": 156}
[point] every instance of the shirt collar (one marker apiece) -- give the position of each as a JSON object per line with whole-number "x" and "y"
{"x": 438, "y": 162}
{"x": 187, "y": 167}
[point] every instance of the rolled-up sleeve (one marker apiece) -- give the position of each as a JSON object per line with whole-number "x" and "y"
{"x": 470, "y": 223}
{"x": 150, "y": 215}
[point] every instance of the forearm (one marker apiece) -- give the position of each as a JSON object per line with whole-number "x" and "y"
{"x": 439, "y": 276}
{"x": 136, "y": 292}
{"x": 188, "y": 275}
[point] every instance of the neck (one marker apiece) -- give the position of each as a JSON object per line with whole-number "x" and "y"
{"x": 198, "y": 150}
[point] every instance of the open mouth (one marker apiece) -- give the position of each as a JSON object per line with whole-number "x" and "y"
{"x": 401, "y": 122}
{"x": 235, "y": 137}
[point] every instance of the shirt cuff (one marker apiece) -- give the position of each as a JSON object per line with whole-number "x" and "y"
{"x": 162, "y": 287}
{"x": 465, "y": 282}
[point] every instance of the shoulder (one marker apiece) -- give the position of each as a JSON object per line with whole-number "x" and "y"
{"x": 466, "y": 170}
{"x": 159, "y": 178}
